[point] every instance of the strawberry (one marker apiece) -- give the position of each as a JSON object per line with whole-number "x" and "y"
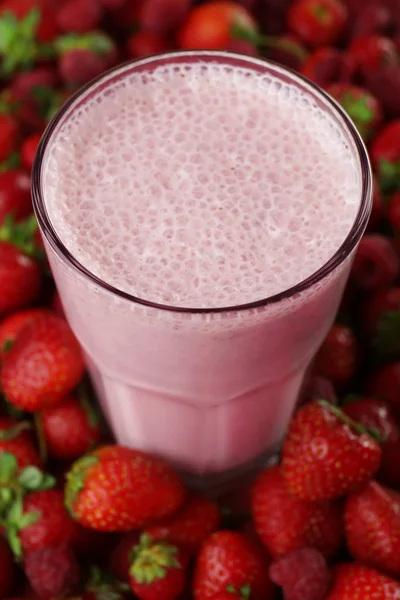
{"x": 326, "y": 455}
{"x": 385, "y": 155}
{"x": 70, "y": 429}
{"x": 303, "y": 574}
{"x": 372, "y": 52}
{"x": 376, "y": 263}
{"x": 318, "y": 22}
{"x": 119, "y": 560}
{"x": 372, "y": 518}
{"x": 389, "y": 472}
{"x": 363, "y": 108}
{"x": 28, "y": 150}
{"x": 52, "y": 571}
{"x": 353, "y": 581}
{"x": 285, "y": 523}
{"x": 9, "y": 134}
{"x": 228, "y": 560}
{"x": 15, "y": 195}
{"x": 327, "y": 65}
{"x": 374, "y": 414}
{"x": 44, "y": 364}
{"x": 79, "y": 16}
{"x": 7, "y": 569}
{"x": 13, "y": 325}
{"x": 20, "y": 279}
{"x": 198, "y": 518}
{"x": 385, "y": 384}
{"x": 44, "y": 29}
{"x": 16, "y": 439}
{"x": 157, "y": 571}
{"x": 145, "y": 43}
{"x": 338, "y": 356}
{"x": 39, "y": 521}
{"x": 117, "y": 489}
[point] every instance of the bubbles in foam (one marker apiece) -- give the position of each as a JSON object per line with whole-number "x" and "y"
{"x": 202, "y": 186}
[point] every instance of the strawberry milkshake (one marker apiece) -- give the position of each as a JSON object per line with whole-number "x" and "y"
{"x": 200, "y": 213}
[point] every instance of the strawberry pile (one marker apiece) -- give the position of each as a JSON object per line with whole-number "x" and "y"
{"x": 85, "y": 519}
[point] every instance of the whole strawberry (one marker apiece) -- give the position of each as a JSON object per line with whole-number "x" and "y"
{"x": 363, "y": 108}
{"x": 372, "y": 518}
{"x": 353, "y": 581}
{"x": 326, "y": 454}
{"x": 70, "y": 429}
{"x": 338, "y": 356}
{"x": 7, "y": 569}
{"x": 118, "y": 489}
{"x": 374, "y": 414}
{"x": 198, "y": 518}
{"x": 52, "y": 571}
{"x": 11, "y": 326}
{"x": 228, "y": 560}
{"x": 158, "y": 570}
{"x": 44, "y": 364}
{"x": 318, "y": 22}
{"x": 285, "y": 523}
{"x": 20, "y": 279}
{"x": 16, "y": 439}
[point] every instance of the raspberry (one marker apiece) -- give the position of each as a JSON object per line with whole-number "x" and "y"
{"x": 302, "y": 574}
{"x": 52, "y": 571}
{"x": 376, "y": 264}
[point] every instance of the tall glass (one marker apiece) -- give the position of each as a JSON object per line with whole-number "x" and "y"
{"x": 211, "y": 390}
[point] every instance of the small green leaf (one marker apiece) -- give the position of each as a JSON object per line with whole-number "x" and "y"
{"x": 14, "y": 541}
{"x": 31, "y": 478}
{"x": 96, "y": 42}
{"x": 15, "y": 513}
{"x": 8, "y": 467}
{"x": 29, "y": 519}
{"x": 48, "y": 482}
{"x": 12, "y": 162}
{"x": 6, "y": 435}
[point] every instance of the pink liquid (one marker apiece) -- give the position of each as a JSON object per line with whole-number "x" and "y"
{"x": 200, "y": 186}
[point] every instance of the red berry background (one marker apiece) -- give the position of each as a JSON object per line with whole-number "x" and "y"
{"x": 323, "y": 523}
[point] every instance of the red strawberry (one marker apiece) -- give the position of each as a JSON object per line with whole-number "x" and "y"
{"x": 145, "y": 43}
{"x": 353, "y": 581}
{"x": 15, "y": 195}
{"x": 338, "y": 356}
{"x": 79, "y": 16}
{"x": 13, "y": 325}
{"x": 28, "y": 150}
{"x": 198, "y": 518}
{"x": 285, "y": 523}
{"x": 20, "y": 279}
{"x": 16, "y": 439}
{"x": 326, "y": 455}
{"x": 363, "y": 108}
{"x": 9, "y": 134}
{"x": 157, "y": 570}
{"x": 163, "y": 16}
{"x": 52, "y": 572}
{"x": 389, "y": 473}
{"x": 228, "y": 560}
{"x": 44, "y": 364}
{"x": 7, "y": 569}
{"x": 48, "y": 523}
{"x": 327, "y": 65}
{"x": 303, "y": 574}
{"x": 374, "y": 414}
{"x": 46, "y": 29}
{"x": 70, "y": 429}
{"x": 376, "y": 263}
{"x": 385, "y": 384}
{"x": 119, "y": 561}
{"x": 35, "y": 98}
{"x": 372, "y": 52}
{"x": 377, "y": 309}
{"x": 318, "y": 22}
{"x": 372, "y": 518}
{"x": 385, "y": 154}
{"x": 117, "y": 489}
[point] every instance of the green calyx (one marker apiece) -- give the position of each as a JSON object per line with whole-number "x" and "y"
{"x": 359, "y": 110}
{"x": 76, "y": 480}
{"x": 21, "y": 235}
{"x": 104, "y": 585}
{"x": 353, "y": 425}
{"x": 151, "y": 560}
{"x": 96, "y": 42}
{"x": 47, "y": 101}
{"x": 243, "y": 592}
{"x": 19, "y": 47}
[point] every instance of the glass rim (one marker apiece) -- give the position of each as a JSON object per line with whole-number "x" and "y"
{"x": 48, "y": 230}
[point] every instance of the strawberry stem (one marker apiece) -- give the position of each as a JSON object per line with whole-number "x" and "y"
{"x": 241, "y": 32}
{"x": 357, "y": 427}
{"x": 40, "y": 436}
{"x": 152, "y": 559}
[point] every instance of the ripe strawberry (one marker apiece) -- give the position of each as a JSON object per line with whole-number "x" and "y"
{"x": 13, "y": 325}
{"x": 7, "y": 569}
{"x": 353, "y": 581}
{"x": 9, "y": 133}
{"x": 28, "y": 150}
{"x": 46, "y": 29}
{"x": 20, "y": 279}
{"x": 15, "y": 195}
{"x": 117, "y": 489}
{"x": 52, "y": 571}
{"x": 385, "y": 154}
{"x": 70, "y": 429}
{"x": 145, "y": 43}
{"x": 302, "y": 574}
{"x": 385, "y": 384}
{"x": 318, "y": 22}
{"x": 326, "y": 455}
{"x": 228, "y": 560}
{"x": 363, "y": 108}
{"x": 48, "y": 523}
{"x": 372, "y": 52}
{"x": 80, "y": 66}
{"x": 157, "y": 571}
{"x": 198, "y": 518}
{"x": 79, "y": 16}
{"x": 163, "y": 16}
{"x": 327, "y": 65}
{"x": 285, "y": 523}
{"x": 35, "y": 98}
{"x": 16, "y": 439}
{"x": 44, "y": 364}
{"x": 338, "y": 356}
{"x": 376, "y": 264}
{"x": 119, "y": 560}
{"x": 374, "y": 414}
{"x": 372, "y": 518}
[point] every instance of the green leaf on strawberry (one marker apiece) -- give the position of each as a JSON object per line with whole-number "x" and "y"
{"x": 12, "y": 162}
{"x": 32, "y": 478}
{"x": 387, "y": 338}
{"x": 150, "y": 560}
{"x": 96, "y": 42}
{"x": 12, "y": 432}
{"x": 15, "y": 521}
{"x": 18, "y": 44}
{"x": 21, "y": 235}
{"x": 8, "y": 467}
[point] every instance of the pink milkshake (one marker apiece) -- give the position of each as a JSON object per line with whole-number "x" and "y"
{"x": 200, "y": 213}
